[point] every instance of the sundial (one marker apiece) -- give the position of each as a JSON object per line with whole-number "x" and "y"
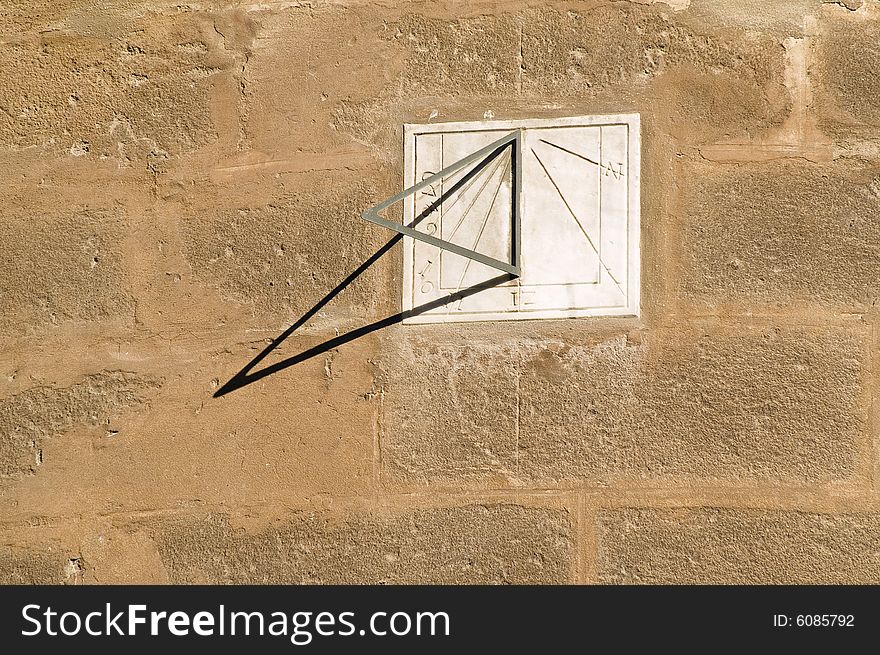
{"x": 550, "y": 205}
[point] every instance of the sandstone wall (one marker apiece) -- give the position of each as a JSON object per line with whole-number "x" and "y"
{"x": 182, "y": 181}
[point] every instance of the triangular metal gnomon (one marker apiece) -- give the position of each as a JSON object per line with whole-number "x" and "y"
{"x": 487, "y": 155}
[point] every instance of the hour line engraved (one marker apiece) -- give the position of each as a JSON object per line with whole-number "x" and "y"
{"x": 608, "y": 168}
{"x": 482, "y": 229}
{"x": 459, "y": 195}
{"x": 427, "y": 286}
{"x": 476, "y": 197}
{"x": 577, "y": 220}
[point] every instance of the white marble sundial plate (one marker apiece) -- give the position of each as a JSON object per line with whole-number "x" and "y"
{"x": 579, "y": 216}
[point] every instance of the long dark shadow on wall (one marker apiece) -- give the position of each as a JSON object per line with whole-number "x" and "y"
{"x": 245, "y": 376}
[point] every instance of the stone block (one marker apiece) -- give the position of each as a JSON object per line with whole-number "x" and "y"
{"x": 737, "y": 546}
{"x": 501, "y": 544}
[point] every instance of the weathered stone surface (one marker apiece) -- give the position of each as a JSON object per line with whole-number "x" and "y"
{"x": 371, "y": 82}
{"x": 449, "y": 412}
{"x": 141, "y": 96}
{"x": 430, "y": 64}
{"x": 30, "y": 417}
{"x": 94, "y": 17}
{"x": 785, "y": 18}
{"x": 845, "y": 75}
{"x": 20, "y": 566}
{"x": 710, "y": 83}
{"x": 61, "y": 268}
{"x": 182, "y": 180}
{"x": 719, "y": 83}
{"x": 289, "y": 108}
{"x": 780, "y": 233}
{"x": 462, "y": 545}
{"x": 761, "y": 404}
{"x": 618, "y": 43}
{"x": 704, "y": 107}
{"x": 470, "y": 55}
{"x": 737, "y": 546}
{"x": 304, "y": 432}
{"x": 765, "y": 404}
{"x": 283, "y": 257}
